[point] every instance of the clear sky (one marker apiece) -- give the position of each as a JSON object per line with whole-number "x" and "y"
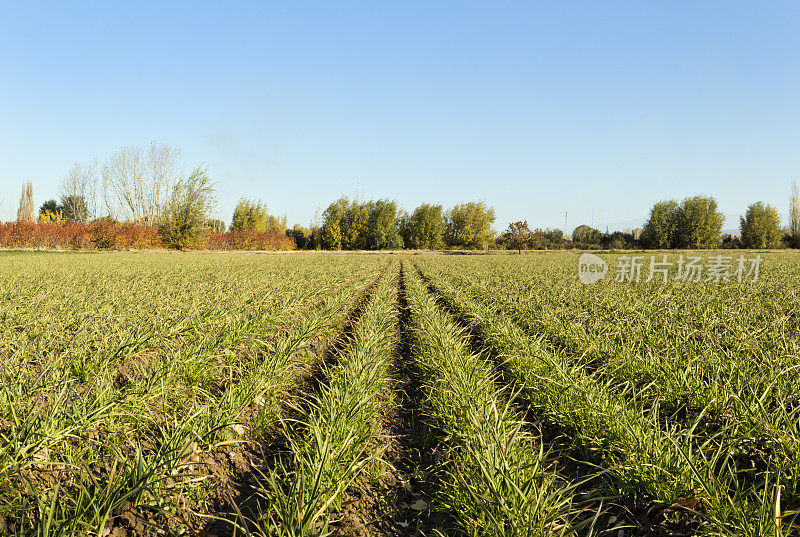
{"x": 535, "y": 107}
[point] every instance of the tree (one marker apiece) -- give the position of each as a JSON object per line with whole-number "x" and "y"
{"x": 301, "y": 236}
{"x": 518, "y": 234}
{"x": 618, "y": 240}
{"x": 544, "y": 239}
{"x": 50, "y": 206}
{"x": 381, "y": 230}
{"x": 586, "y": 235}
{"x": 137, "y": 183}
{"x": 78, "y": 192}
{"x": 332, "y": 225}
{"x": 794, "y": 216}
{"x": 354, "y": 221}
{"x": 214, "y": 225}
{"x": 659, "y": 231}
{"x": 185, "y": 215}
{"x": 253, "y": 216}
{"x": 25, "y": 211}
{"x": 361, "y": 226}
{"x": 469, "y": 225}
{"x": 698, "y": 223}
{"x": 424, "y": 229}
{"x": 538, "y": 240}
{"x": 74, "y": 208}
{"x": 760, "y": 227}
{"x": 50, "y": 217}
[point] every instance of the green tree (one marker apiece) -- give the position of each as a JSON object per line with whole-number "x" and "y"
{"x": 50, "y": 206}
{"x": 659, "y": 231}
{"x": 74, "y": 208}
{"x": 183, "y": 222}
{"x": 216, "y": 226}
{"x": 276, "y": 224}
{"x": 315, "y": 238}
{"x": 698, "y": 223}
{"x": 538, "y": 240}
{"x": 469, "y": 225}
{"x": 301, "y": 236}
{"x": 355, "y": 217}
{"x": 332, "y": 224}
{"x": 361, "y": 226}
{"x": 518, "y": 234}
{"x": 761, "y": 226}
{"x": 382, "y": 231}
{"x": 587, "y": 235}
{"x": 554, "y": 238}
{"x": 424, "y": 228}
{"x": 251, "y": 215}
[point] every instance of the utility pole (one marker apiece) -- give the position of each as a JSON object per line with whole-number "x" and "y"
{"x": 565, "y": 222}
{"x": 592, "y": 218}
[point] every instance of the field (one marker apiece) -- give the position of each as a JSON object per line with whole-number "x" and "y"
{"x": 347, "y": 394}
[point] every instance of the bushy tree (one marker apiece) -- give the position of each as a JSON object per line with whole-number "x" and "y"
{"x": 314, "y": 238}
{"x": 354, "y": 223}
{"x": 50, "y": 206}
{"x": 547, "y": 239}
{"x": 424, "y": 228}
{"x": 469, "y": 225}
{"x": 698, "y": 223}
{"x": 730, "y": 242}
{"x": 332, "y": 225}
{"x": 74, "y": 208}
{"x": 361, "y": 226}
{"x": 586, "y": 235}
{"x": 518, "y": 235}
{"x": 301, "y": 236}
{"x": 216, "y": 226}
{"x": 47, "y": 216}
{"x": 659, "y": 231}
{"x": 538, "y": 240}
{"x": 760, "y": 227}
{"x": 183, "y": 222}
{"x": 618, "y": 240}
{"x": 554, "y": 238}
{"x": 382, "y": 232}
{"x": 252, "y": 215}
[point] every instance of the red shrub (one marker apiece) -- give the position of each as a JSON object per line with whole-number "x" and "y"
{"x": 35, "y": 235}
{"x": 108, "y": 234}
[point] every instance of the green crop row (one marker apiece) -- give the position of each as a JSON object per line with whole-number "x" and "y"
{"x": 667, "y": 461}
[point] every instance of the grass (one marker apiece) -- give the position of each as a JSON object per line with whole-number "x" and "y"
{"x": 158, "y": 393}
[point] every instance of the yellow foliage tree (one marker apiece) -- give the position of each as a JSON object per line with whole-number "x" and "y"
{"x": 48, "y": 217}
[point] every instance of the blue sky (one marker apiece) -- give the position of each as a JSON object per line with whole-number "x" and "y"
{"x": 536, "y": 107}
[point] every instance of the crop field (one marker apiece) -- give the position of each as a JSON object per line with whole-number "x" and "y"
{"x": 394, "y": 394}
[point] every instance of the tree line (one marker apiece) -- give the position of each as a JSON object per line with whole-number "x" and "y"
{"x": 141, "y": 193}
{"x": 144, "y": 187}
{"x": 694, "y": 223}
{"x": 381, "y": 225}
